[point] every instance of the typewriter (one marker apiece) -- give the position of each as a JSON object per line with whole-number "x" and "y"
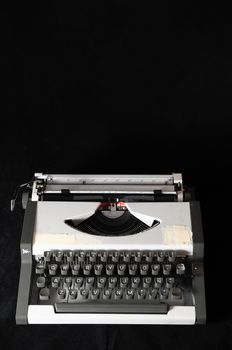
{"x": 110, "y": 249}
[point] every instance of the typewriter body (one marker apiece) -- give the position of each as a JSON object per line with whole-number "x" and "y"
{"x": 110, "y": 249}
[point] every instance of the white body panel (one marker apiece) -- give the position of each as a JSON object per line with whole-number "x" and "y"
{"x": 173, "y": 233}
{"x": 41, "y": 314}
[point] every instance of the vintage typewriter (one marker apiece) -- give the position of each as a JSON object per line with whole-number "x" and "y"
{"x": 111, "y": 249}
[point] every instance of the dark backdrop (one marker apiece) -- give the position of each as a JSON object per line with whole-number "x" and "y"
{"x": 118, "y": 88}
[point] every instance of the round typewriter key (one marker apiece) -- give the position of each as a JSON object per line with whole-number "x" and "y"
{"x": 135, "y": 282}
{"x": 67, "y": 281}
{"x": 39, "y": 268}
{"x": 75, "y": 269}
{"x": 118, "y": 293}
{"x": 166, "y": 269}
{"x": 115, "y": 256}
{"x": 44, "y": 294}
{"x": 130, "y": 293}
{"x": 104, "y": 256}
{"x": 70, "y": 256}
{"x": 180, "y": 269}
{"x": 171, "y": 256}
{"x": 87, "y": 269}
{"x": 169, "y": 282}
{"x": 64, "y": 269}
{"x": 144, "y": 269}
{"x": 176, "y": 293}
{"x": 81, "y": 256}
{"x": 109, "y": 269}
{"x": 163, "y": 293}
{"x": 126, "y": 256}
{"x": 84, "y": 293}
{"x": 101, "y": 282}
{"x": 107, "y": 293}
{"x": 47, "y": 256}
{"x": 61, "y": 293}
{"x": 95, "y": 293}
{"x": 58, "y": 256}
{"x": 92, "y": 256}
{"x": 141, "y": 293}
{"x": 72, "y": 294}
{"x": 160, "y": 256}
{"x": 152, "y": 293}
{"x": 89, "y": 282}
{"x": 112, "y": 282}
{"x": 138, "y": 256}
{"x": 98, "y": 269}
{"x": 52, "y": 269}
{"x": 149, "y": 256}
{"x": 146, "y": 282}
{"x": 55, "y": 282}
{"x": 132, "y": 269}
{"x": 40, "y": 282}
{"x": 158, "y": 282}
{"x": 78, "y": 282}
{"x": 121, "y": 269}
{"x": 123, "y": 282}
{"x": 155, "y": 269}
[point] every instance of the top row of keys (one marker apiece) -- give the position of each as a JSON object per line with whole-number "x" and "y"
{"x": 105, "y": 256}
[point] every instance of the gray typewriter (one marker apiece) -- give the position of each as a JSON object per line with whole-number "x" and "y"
{"x": 110, "y": 249}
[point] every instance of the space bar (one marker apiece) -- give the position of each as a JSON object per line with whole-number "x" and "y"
{"x": 112, "y": 308}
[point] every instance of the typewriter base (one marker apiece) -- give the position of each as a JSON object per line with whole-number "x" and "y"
{"x": 45, "y": 314}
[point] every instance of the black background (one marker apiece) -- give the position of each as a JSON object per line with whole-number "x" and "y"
{"x": 118, "y": 87}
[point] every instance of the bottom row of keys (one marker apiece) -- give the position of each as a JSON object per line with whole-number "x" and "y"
{"x": 115, "y": 294}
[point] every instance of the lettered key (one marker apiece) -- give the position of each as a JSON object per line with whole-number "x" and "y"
{"x": 130, "y": 293}
{"x": 95, "y": 293}
{"x": 118, "y": 294}
{"x": 101, "y": 281}
{"x": 155, "y": 269}
{"x": 121, "y": 269}
{"x": 141, "y": 293}
{"x": 146, "y": 282}
{"x": 64, "y": 269}
{"x": 98, "y": 269}
{"x": 167, "y": 269}
{"x": 61, "y": 293}
{"x": 160, "y": 256}
{"x": 144, "y": 269}
{"x": 133, "y": 269}
{"x": 106, "y": 294}
{"x": 164, "y": 293}
{"x": 84, "y": 294}
{"x": 180, "y": 269}
{"x": 78, "y": 282}
{"x": 123, "y": 282}
{"x": 158, "y": 282}
{"x": 109, "y": 269}
{"x": 169, "y": 282}
{"x": 72, "y": 294}
{"x": 55, "y": 282}
{"x": 75, "y": 269}
{"x": 89, "y": 282}
{"x": 58, "y": 256}
{"x": 87, "y": 269}
{"x": 171, "y": 256}
{"x": 53, "y": 269}
{"x": 135, "y": 282}
{"x": 112, "y": 282}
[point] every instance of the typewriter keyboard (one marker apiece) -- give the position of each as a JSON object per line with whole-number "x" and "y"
{"x": 116, "y": 281}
